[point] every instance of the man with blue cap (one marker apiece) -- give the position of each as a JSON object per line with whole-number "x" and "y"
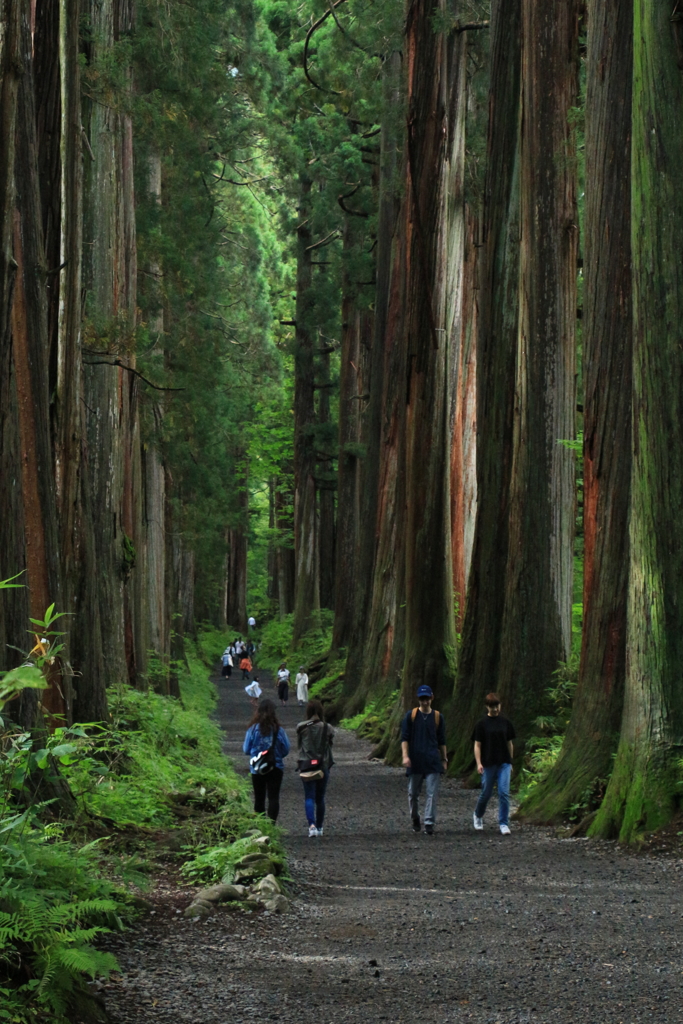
{"x": 425, "y": 758}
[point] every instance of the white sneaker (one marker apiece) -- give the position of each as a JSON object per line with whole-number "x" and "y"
{"x": 505, "y": 830}
{"x": 312, "y": 831}
{"x": 320, "y": 831}
{"x": 477, "y": 822}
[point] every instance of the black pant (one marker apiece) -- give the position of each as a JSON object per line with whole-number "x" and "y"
{"x": 268, "y": 784}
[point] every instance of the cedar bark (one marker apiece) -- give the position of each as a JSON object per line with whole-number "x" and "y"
{"x": 464, "y": 447}
{"x": 236, "y": 608}
{"x": 373, "y": 628}
{"x": 109, "y": 277}
{"x": 29, "y": 328}
{"x": 285, "y": 564}
{"x": 13, "y": 604}
{"x": 593, "y": 730}
{"x": 496, "y": 352}
{"x": 307, "y": 597}
{"x": 536, "y": 626}
{"x": 643, "y": 790}
{"x": 434, "y": 210}
{"x": 326, "y": 527}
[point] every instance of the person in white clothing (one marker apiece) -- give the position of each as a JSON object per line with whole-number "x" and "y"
{"x": 302, "y": 686}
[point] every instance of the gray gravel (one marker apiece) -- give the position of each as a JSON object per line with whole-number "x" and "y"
{"x": 387, "y": 925}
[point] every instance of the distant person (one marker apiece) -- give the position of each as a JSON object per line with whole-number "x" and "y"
{"x": 226, "y": 658}
{"x": 251, "y": 650}
{"x": 246, "y": 666}
{"x": 252, "y": 622}
{"x": 423, "y": 746}
{"x": 493, "y": 750}
{"x": 283, "y": 675}
{"x": 253, "y": 691}
{"x": 264, "y": 733}
{"x": 302, "y": 686}
{"x": 314, "y": 751}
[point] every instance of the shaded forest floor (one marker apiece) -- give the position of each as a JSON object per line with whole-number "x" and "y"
{"x": 391, "y": 926}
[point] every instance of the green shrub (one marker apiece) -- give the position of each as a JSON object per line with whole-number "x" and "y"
{"x": 53, "y": 906}
{"x": 277, "y": 646}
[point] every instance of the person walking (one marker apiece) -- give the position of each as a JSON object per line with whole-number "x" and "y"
{"x": 314, "y": 740}
{"x": 493, "y": 752}
{"x": 423, "y": 746}
{"x": 226, "y": 658}
{"x": 245, "y": 665}
{"x": 302, "y": 686}
{"x": 251, "y": 622}
{"x": 265, "y": 732}
{"x": 283, "y": 675}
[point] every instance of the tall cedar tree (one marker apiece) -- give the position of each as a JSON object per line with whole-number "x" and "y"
{"x": 643, "y": 788}
{"x": 593, "y": 732}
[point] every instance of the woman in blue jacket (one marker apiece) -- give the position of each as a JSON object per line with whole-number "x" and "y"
{"x": 262, "y": 728}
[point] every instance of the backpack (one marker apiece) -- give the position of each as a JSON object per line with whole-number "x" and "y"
{"x": 413, "y": 715}
{"x": 314, "y": 767}
{"x": 264, "y": 762}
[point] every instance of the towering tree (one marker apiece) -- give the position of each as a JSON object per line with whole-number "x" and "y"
{"x": 642, "y": 790}
{"x": 593, "y": 730}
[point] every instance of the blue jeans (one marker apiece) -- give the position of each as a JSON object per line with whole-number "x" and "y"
{"x": 432, "y": 786}
{"x": 314, "y": 797}
{"x": 499, "y": 773}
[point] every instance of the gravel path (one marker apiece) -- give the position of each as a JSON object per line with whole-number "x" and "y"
{"x": 392, "y": 926}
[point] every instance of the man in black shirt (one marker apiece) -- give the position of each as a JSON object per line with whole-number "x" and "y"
{"x": 493, "y": 736}
{"x": 423, "y": 744}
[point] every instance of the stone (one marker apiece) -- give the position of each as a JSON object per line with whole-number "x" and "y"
{"x": 221, "y": 893}
{"x": 202, "y": 909}
{"x": 254, "y": 867}
{"x": 269, "y": 884}
{"x": 279, "y": 904}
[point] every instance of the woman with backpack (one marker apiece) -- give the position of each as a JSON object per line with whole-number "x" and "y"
{"x": 266, "y": 744}
{"x": 314, "y": 750}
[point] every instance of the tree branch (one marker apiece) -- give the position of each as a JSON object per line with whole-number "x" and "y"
{"x": 117, "y": 362}
{"x": 323, "y": 241}
{"x": 309, "y": 36}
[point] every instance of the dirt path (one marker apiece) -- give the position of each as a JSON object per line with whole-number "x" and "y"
{"x": 392, "y": 926}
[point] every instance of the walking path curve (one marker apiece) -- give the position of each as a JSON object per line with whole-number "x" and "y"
{"x": 392, "y": 926}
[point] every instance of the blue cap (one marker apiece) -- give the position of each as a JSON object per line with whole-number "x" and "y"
{"x": 424, "y": 691}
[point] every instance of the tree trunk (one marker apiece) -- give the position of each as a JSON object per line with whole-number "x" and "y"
{"x": 593, "y": 730}
{"x": 464, "y": 443}
{"x": 644, "y": 786}
{"x": 109, "y": 276}
{"x": 356, "y": 330}
{"x": 14, "y": 603}
{"x": 30, "y": 353}
{"x": 284, "y": 552}
{"x": 536, "y": 628}
{"x": 434, "y": 207}
{"x": 496, "y": 351}
{"x": 373, "y": 624}
{"x": 236, "y": 610}
{"x": 307, "y": 599}
{"x": 326, "y": 487}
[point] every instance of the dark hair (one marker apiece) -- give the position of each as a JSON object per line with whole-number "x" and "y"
{"x": 492, "y": 699}
{"x": 313, "y": 708}
{"x": 265, "y": 717}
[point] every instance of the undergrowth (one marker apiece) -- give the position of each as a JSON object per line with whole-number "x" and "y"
{"x": 155, "y": 767}
{"x": 371, "y": 722}
{"x": 277, "y": 643}
{"x": 543, "y": 749}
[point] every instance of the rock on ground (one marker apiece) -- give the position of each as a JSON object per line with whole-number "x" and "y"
{"x": 386, "y": 925}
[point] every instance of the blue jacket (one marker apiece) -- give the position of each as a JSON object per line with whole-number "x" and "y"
{"x": 254, "y": 743}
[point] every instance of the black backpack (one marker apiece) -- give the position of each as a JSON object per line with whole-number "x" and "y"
{"x": 264, "y": 762}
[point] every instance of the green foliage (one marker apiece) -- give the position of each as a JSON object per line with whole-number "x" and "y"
{"x": 277, "y": 642}
{"x": 172, "y": 754}
{"x": 217, "y": 863}
{"x": 371, "y": 722}
{"x": 543, "y": 750}
{"x": 53, "y": 905}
